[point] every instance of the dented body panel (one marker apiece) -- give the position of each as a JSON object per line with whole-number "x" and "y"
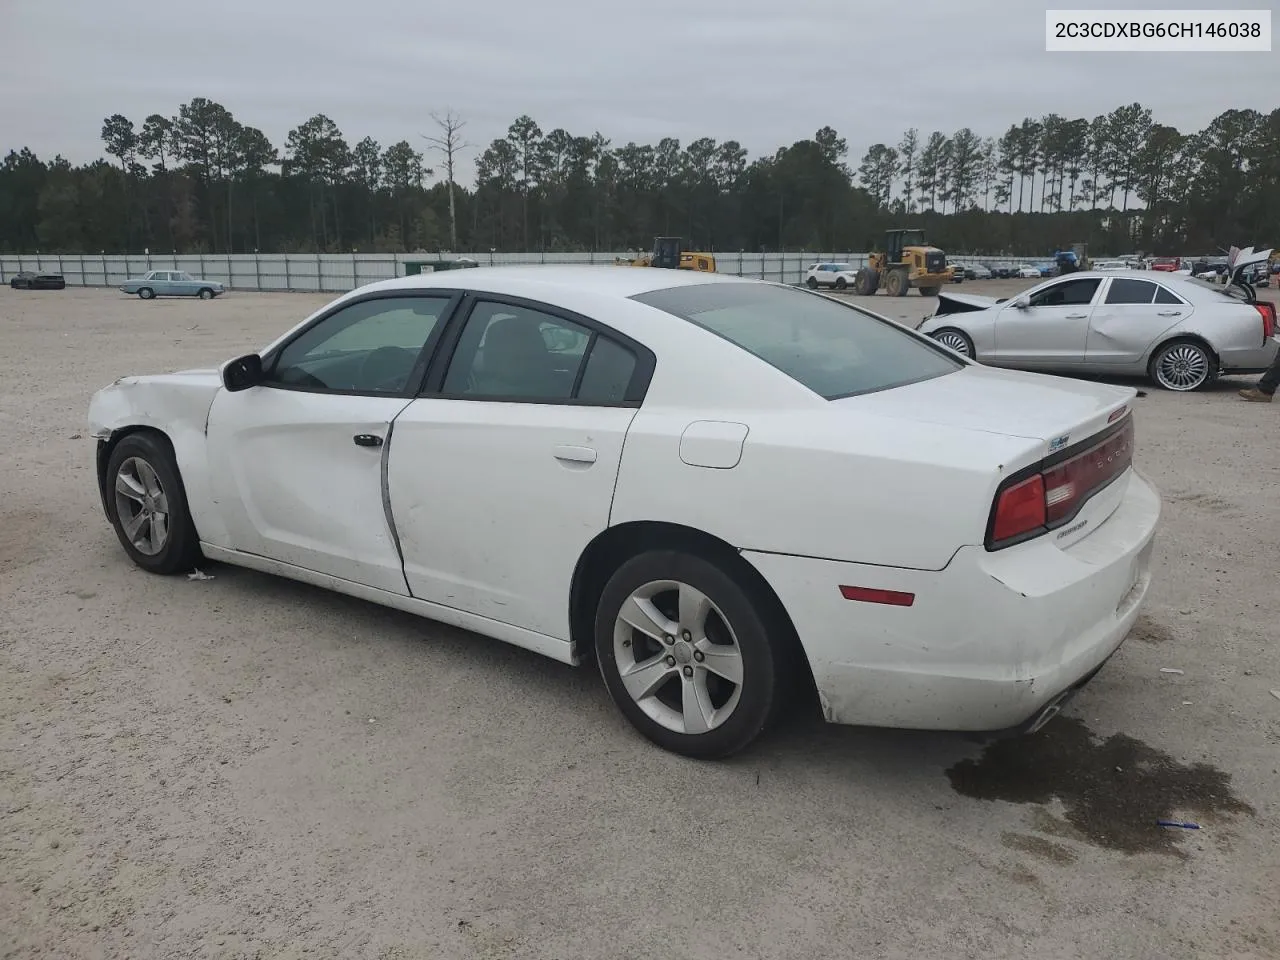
{"x": 177, "y": 405}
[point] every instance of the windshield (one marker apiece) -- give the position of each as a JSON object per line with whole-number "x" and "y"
{"x": 836, "y": 350}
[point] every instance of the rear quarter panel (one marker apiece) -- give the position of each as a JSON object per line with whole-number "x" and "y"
{"x": 826, "y": 484}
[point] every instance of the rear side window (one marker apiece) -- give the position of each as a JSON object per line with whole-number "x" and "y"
{"x": 834, "y": 349}
{"x": 1130, "y": 291}
{"x": 1164, "y": 295}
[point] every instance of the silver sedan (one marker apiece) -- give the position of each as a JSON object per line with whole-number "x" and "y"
{"x": 1180, "y": 332}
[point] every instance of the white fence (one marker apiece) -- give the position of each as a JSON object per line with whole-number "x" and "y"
{"x": 338, "y": 272}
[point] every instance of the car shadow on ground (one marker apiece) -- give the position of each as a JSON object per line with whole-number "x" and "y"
{"x": 1084, "y": 788}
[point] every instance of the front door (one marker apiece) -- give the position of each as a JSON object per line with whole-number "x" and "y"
{"x": 500, "y": 477}
{"x": 300, "y": 458}
{"x": 1051, "y": 330}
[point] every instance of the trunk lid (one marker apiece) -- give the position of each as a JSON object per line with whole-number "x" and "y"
{"x": 1056, "y": 411}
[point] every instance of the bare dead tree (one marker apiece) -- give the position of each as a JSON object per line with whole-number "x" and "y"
{"x": 449, "y": 144}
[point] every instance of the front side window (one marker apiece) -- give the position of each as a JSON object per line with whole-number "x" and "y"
{"x": 1071, "y": 293}
{"x": 371, "y": 346}
{"x": 513, "y": 352}
{"x": 835, "y": 349}
{"x": 1131, "y": 291}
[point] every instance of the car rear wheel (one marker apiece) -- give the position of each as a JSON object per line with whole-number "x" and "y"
{"x": 206, "y": 293}
{"x": 146, "y": 293}
{"x": 1183, "y": 365}
{"x": 956, "y": 340}
{"x": 148, "y": 505}
{"x": 685, "y": 653}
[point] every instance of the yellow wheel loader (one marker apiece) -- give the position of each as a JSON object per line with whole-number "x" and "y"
{"x": 669, "y": 253}
{"x": 907, "y": 261}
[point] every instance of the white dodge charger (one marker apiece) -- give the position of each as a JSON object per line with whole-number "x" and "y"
{"x": 713, "y": 486}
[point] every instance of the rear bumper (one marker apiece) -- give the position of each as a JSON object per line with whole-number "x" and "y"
{"x": 1253, "y": 360}
{"x": 988, "y": 642}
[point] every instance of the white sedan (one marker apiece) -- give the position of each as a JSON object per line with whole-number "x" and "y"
{"x": 1026, "y": 271}
{"x": 711, "y": 486}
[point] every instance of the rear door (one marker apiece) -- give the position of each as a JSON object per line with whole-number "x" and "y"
{"x": 503, "y": 471}
{"x": 1051, "y": 330}
{"x": 1130, "y": 316}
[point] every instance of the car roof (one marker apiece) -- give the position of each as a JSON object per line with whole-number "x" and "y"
{"x": 539, "y": 281}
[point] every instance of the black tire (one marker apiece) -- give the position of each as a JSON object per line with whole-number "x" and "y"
{"x": 1194, "y": 353}
{"x": 896, "y": 284}
{"x": 841, "y": 283}
{"x": 766, "y": 661}
{"x": 146, "y": 293}
{"x": 866, "y": 281}
{"x": 812, "y": 283}
{"x": 181, "y": 547}
{"x": 929, "y": 291}
{"x": 960, "y": 341}
{"x": 206, "y": 293}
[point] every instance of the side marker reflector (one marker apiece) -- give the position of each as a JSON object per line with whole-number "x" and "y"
{"x": 893, "y": 598}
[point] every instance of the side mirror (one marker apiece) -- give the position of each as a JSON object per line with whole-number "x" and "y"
{"x": 1022, "y": 303}
{"x": 242, "y": 372}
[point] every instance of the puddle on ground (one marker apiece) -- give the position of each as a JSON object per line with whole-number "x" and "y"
{"x": 1113, "y": 790}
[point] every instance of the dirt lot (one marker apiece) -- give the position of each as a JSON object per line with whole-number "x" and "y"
{"x": 246, "y": 767}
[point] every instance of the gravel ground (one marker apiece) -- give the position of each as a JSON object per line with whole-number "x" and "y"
{"x": 247, "y": 767}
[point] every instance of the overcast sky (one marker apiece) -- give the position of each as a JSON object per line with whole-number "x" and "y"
{"x": 763, "y": 72}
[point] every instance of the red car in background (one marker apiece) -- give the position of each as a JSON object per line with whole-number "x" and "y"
{"x": 1167, "y": 264}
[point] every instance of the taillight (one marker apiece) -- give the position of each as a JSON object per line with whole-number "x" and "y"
{"x": 1268, "y": 311}
{"x": 1055, "y": 490}
{"x": 1019, "y": 510}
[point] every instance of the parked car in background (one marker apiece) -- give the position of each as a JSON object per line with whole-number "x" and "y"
{"x": 1003, "y": 271}
{"x": 1181, "y": 332}
{"x": 26, "y": 280}
{"x": 837, "y": 275}
{"x": 172, "y": 283}
{"x": 957, "y": 272}
{"x": 644, "y": 413}
{"x": 978, "y": 271}
{"x": 1109, "y": 266}
{"x": 1026, "y": 271}
{"x": 1047, "y": 269}
{"x": 1166, "y": 264}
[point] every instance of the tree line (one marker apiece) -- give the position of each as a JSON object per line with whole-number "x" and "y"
{"x": 201, "y": 181}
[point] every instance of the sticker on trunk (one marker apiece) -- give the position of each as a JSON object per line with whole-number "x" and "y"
{"x": 1057, "y": 443}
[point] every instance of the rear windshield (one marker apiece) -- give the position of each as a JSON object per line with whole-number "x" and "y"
{"x": 833, "y": 349}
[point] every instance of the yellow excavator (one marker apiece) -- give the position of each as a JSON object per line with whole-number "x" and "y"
{"x": 669, "y": 253}
{"x": 907, "y": 261}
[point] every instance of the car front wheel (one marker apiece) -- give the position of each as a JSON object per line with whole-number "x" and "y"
{"x": 146, "y": 293}
{"x": 812, "y": 283}
{"x": 686, "y": 654}
{"x": 206, "y": 293}
{"x": 149, "y": 505}
{"x": 957, "y": 340}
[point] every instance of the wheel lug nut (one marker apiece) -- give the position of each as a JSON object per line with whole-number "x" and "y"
{"x": 668, "y": 640}
{"x": 687, "y": 635}
{"x": 699, "y": 655}
{"x": 671, "y": 661}
{"x": 688, "y": 671}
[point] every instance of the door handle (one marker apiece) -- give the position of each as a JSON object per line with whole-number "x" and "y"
{"x": 1076, "y": 316}
{"x": 574, "y": 454}
{"x": 367, "y": 440}
{"x": 1170, "y": 313}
